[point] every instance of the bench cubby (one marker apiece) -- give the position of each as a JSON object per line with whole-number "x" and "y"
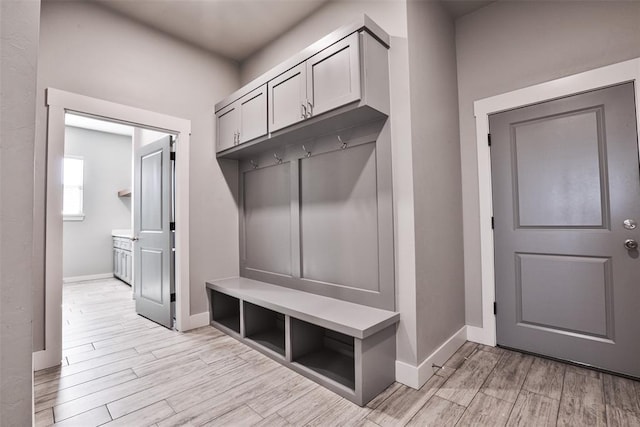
{"x": 328, "y": 353}
{"x": 225, "y": 311}
{"x": 345, "y": 347}
{"x": 264, "y": 327}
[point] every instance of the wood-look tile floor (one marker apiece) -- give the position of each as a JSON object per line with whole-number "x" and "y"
{"x": 120, "y": 369}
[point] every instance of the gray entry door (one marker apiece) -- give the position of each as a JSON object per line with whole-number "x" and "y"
{"x": 153, "y": 266}
{"x": 565, "y": 179}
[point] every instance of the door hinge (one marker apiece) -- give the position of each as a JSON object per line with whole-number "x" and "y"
{"x": 173, "y": 297}
{"x": 172, "y": 155}
{"x": 172, "y": 226}
{"x": 489, "y": 139}
{"x": 495, "y": 308}
{"x": 493, "y": 223}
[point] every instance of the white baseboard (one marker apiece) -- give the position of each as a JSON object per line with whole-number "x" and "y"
{"x": 74, "y": 279}
{"x": 44, "y": 359}
{"x": 416, "y": 376}
{"x": 198, "y": 320}
{"x": 480, "y": 335}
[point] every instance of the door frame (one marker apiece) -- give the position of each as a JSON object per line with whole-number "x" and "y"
{"x": 58, "y": 103}
{"x": 623, "y": 72}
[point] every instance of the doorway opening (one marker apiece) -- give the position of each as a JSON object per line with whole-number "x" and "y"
{"x": 60, "y": 103}
{"x": 101, "y": 228}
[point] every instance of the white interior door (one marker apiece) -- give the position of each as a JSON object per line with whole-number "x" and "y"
{"x": 153, "y": 249}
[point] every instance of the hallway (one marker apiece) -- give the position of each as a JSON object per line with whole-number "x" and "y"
{"x": 121, "y": 369}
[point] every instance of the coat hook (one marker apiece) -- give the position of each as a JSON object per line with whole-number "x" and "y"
{"x": 306, "y": 151}
{"x": 278, "y": 159}
{"x": 344, "y": 144}
{"x": 254, "y": 164}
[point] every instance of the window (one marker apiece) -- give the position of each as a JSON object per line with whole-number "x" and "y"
{"x": 73, "y": 168}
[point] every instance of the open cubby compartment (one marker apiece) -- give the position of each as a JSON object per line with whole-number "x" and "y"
{"x": 225, "y": 311}
{"x": 326, "y": 352}
{"x": 264, "y": 327}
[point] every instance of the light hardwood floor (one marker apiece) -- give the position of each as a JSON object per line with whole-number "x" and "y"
{"x": 120, "y": 369}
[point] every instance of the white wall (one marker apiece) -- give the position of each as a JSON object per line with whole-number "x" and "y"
{"x": 436, "y": 175}
{"x": 87, "y": 244}
{"x": 19, "y": 21}
{"x": 509, "y": 45}
{"x": 89, "y": 50}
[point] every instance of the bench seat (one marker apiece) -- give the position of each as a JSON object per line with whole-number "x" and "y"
{"x": 345, "y": 347}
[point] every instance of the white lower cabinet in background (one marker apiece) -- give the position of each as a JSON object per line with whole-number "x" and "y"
{"x": 123, "y": 259}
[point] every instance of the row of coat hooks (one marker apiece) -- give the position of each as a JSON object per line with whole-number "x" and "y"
{"x": 343, "y": 146}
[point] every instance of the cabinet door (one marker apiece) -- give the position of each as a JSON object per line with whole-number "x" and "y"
{"x": 121, "y": 263}
{"x": 253, "y": 114}
{"x": 127, "y": 266}
{"x": 287, "y": 98}
{"x": 333, "y": 75}
{"x": 115, "y": 262}
{"x": 228, "y": 125}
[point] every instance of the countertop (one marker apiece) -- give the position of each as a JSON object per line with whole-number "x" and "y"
{"x": 122, "y": 233}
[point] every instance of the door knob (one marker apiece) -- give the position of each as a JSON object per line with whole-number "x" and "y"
{"x": 631, "y": 244}
{"x": 629, "y": 224}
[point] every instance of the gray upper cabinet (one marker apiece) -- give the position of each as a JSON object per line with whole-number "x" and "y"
{"x": 287, "y": 94}
{"x": 228, "y": 121}
{"x": 333, "y": 76}
{"x": 242, "y": 120}
{"x": 340, "y": 81}
{"x": 253, "y": 115}
{"x": 325, "y": 81}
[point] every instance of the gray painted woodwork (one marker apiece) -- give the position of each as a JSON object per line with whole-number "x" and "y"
{"x": 264, "y": 326}
{"x": 339, "y": 218}
{"x": 347, "y": 348}
{"x": 345, "y": 84}
{"x": 152, "y": 216}
{"x": 346, "y": 251}
{"x": 228, "y": 121}
{"x": 558, "y": 166}
{"x": 287, "y": 98}
{"x": 327, "y": 80}
{"x": 348, "y": 318}
{"x": 243, "y": 120}
{"x": 225, "y": 310}
{"x": 360, "y": 267}
{"x": 333, "y": 76}
{"x": 364, "y": 23}
{"x": 253, "y": 115}
{"x": 267, "y": 219}
{"x": 565, "y": 177}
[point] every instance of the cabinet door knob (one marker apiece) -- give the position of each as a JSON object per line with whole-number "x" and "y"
{"x": 134, "y": 238}
{"x": 310, "y": 108}
{"x": 304, "y": 111}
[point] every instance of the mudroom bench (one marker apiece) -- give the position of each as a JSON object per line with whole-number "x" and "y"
{"x": 345, "y": 347}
